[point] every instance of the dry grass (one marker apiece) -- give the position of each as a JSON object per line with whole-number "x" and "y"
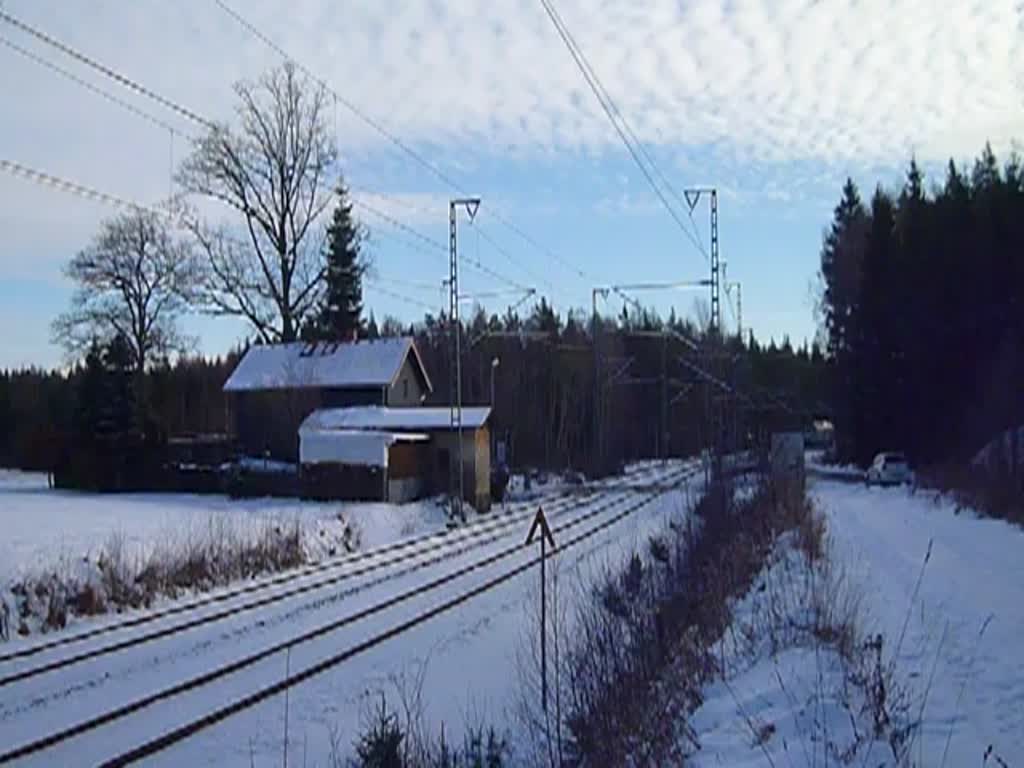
{"x": 640, "y": 648}
{"x": 118, "y": 581}
{"x": 992, "y": 492}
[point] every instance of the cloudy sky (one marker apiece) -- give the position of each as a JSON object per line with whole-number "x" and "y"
{"x": 774, "y": 102}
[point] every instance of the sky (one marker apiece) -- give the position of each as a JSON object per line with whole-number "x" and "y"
{"x": 772, "y": 102}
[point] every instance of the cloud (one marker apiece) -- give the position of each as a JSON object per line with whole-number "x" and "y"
{"x": 776, "y": 80}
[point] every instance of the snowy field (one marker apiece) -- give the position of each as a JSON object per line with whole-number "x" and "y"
{"x": 466, "y": 656}
{"x": 42, "y": 528}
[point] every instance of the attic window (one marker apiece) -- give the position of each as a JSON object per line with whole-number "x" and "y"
{"x": 405, "y": 387}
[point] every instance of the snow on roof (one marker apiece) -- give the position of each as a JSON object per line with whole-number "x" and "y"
{"x": 381, "y": 418}
{"x": 365, "y": 363}
{"x": 358, "y": 447}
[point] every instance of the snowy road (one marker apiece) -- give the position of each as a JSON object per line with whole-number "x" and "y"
{"x": 962, "y": 653}
{"x": 224, "y": 647}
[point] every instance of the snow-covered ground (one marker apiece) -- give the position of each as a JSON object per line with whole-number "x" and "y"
{"x": 959, "y": 665}
{"x": 816, "y": 466}
{"x": 785, "y": 696}
{"x": 466, "y": 655}
{"x": 963, "y": 625}
{"x": 42, "y": 528}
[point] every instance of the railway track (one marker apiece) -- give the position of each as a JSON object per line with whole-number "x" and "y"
{"x": 458, "y": 543}
{"x": 266, "y": 591}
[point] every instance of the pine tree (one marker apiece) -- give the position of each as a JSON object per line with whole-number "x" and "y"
{"x": 340, "y": 314}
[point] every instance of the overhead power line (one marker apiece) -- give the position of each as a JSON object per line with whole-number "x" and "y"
{"x": 127, "y": 82}
{"x": 617, "y": 119}
{"x": 80, "y": 190}
{"x": 437, "y": 245}
{"x": 376, "y": 286}
{"x": 89, "y": 86}
{"x": 389, "y": 135}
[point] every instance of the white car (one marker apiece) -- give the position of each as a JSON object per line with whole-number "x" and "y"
{"x": 889, "y": 469}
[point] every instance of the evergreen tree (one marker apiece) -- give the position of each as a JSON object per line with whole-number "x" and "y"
{"x": 340, "y": 313}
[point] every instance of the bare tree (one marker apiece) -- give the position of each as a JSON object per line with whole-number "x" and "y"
{"x": 274, "y": 170}
{"x": 133, "y": 281}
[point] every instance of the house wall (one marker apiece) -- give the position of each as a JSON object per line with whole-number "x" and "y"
{"x": 269, "y": 420}
{"x": 408, "y": 387}
{"x": 476, "y": 464}
{"x": 326, "y": 482}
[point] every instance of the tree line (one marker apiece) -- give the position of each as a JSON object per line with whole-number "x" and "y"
{"x": 286, "y": 256}
{"x": 544, "y": 394}
{"x": 921, "y": 312}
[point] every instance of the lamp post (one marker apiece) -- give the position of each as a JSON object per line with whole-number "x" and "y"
{"x": 494, "y": 367}
{"x": 495, "y": 362}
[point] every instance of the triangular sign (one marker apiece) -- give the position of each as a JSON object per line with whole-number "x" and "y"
{"x": 539, "y": 521}
{"x": 692, "y": 197}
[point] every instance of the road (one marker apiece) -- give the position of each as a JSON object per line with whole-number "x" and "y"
{"x": 126, "y": 683}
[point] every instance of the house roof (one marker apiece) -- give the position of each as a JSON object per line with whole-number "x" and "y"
{"x": 365, "y": 363}
{"x": 375, "y": 417}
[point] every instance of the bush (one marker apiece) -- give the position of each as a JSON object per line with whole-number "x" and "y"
{"x": 642, "y": 647}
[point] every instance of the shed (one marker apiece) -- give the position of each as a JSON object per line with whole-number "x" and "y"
{"x": 431, "y": 462}
{"x": 275, "y": 387}
{"x": 361, "y": 465}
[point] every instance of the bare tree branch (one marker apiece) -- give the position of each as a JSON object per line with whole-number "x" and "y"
{"x": 274, "y": 170}
{"x": 135, "y": 281}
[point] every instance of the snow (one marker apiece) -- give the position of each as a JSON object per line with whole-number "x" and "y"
{"x": 965, "y": 620}
{"x": 466, "y": 656}
{"x": 262, "y": 466}
{"x": 368, "y": 449}
{"x": 375, "y": 417}
{"x": 370, "y": 363}
{"x": 815, "y": 465}
{"x": 785, "y": 696}
{"x": 959, "y": 670}
{"x": 45, "y": 528}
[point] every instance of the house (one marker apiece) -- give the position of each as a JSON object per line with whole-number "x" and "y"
{"x": 394, "y": 454}
{"x": 276, "y": 386}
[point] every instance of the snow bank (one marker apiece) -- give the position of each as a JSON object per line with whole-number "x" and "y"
{"x": 49, "y": 532}
{"x": 799, "y": 681}
{"x": 964, "y": 621}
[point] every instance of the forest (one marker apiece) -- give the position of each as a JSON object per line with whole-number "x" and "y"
{"x": 569, "y": 390}
{"x": 543, "y": 388}
{"x": 921, "y": 312}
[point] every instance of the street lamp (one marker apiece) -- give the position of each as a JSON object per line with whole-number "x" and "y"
{"x": 494, "y": 367}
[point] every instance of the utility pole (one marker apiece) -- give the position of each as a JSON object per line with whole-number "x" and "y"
{"x": 457, "y": 479}
{"x": 664, "y": 398}
{"x": 692, "y": 198}
{"x": 595, "y": 331}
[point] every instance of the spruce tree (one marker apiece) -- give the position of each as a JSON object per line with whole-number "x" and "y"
{"x": 340, "y": 314}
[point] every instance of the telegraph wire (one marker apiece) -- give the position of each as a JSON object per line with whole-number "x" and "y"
{"x": 389, "y": 135}
{"x": 127, "y": 82}
{"x": 89, "y": 86}
{"x": 79, "y": 190}
{"x": 612, "y": 112}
